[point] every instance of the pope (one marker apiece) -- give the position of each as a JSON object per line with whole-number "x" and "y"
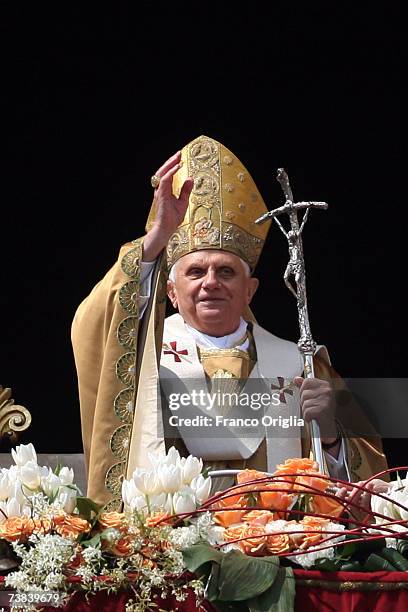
{"x": 201, "y": 248}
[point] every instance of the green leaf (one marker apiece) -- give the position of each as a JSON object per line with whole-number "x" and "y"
{"x": 350, "y": 566}
{"x": 205, "y": 471}
{"x": 198, "y": 554}
{"x": 280, "y": 597}
{"x": 230, "y": 606}
{"x": 327, "y": 565}
{"x": 243, "y": 577}
{"x": 402, "y": 547}
{"x": 95, "y": 542}
{"x": 394, "y": 557}
{"x": 87, "y": 507}
{"x": 211, "y": 591}
{"x": 363, "y": 549}
{"x": 347, "y": 550}
{"x": 376, "y": 563}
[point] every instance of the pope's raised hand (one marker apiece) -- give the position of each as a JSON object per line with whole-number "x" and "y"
{"x": 170, "y": 210}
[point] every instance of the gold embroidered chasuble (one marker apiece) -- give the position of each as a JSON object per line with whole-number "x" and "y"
{"x": 117, "y": 359}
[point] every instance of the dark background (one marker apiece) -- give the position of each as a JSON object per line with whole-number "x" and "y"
{"x": 96, "y": 100}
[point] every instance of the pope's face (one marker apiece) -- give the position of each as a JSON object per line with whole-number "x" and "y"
{"x": 211, "y": 291}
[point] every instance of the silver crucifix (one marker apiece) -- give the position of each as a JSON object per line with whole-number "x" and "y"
{"x": 296, "y": 270}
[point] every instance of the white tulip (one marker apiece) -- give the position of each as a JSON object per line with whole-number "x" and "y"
{"x": 170, "y": 477}
{"x": 30, "y": 474}
{"x": 183, "y": 502}
{"x": 67, "y": 498}
{"x": 156, "y": 459}
{"x": 138, "y": 503}
{"x": 5, "y": 486}
{"x": 157, "y": 502}
{"x": 17, "y": 491}
{"x": 50, "y": 483}
{"x": 191, "y": 469}
{"x": 13, "y": 472}
{"x": 131, "y": 495}
{"x": 66, "y": 476}
{"x": 173, "y": 456}
{"x": 11, "y": 507}
{"x": 201, "y": 487}
{"x": 146, "y": 481}
{"x": 23, "y": 454}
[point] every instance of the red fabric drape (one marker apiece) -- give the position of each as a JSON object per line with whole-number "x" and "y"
{"x": 322, "y": 598}
{"x": 310, "y": 597}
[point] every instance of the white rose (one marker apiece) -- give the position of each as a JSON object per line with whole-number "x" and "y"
{"x": 401, "y": 498}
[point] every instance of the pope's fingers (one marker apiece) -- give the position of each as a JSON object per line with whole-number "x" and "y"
{"x": 186, "y": 190}
{"x": 170, "y": 163}
{"x": 165, "y": 186}
{"x": 316, "y": 395}
{"x": 308, "y": 384}
{"x": 342, "y": 493}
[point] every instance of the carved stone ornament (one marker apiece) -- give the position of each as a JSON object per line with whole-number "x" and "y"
{"x": 13, "y": 418}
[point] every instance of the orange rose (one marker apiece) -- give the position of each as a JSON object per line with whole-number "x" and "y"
{"x": 70, "y": 526}
{"x": 226, "y": 517}
{"x": 248, "y": 476}
{"x": 16, "y": 528}
{"x": 327, "y": 505}
{"x": 278, "y": 543}
{"x": 275, "y": 498}
{"x": 42, "y": 526}
{"x": 310, "y": 480}
{"x": 258, "y": 517}
{"x": 159, "y": 518}
{"x": 254, "y": 543}
{"x": 123, "y": 547}
{"x": 315, "y": 524}
{"x": 112, "y": 519}
{"x": 311, "y": 483}
{"x": 294, "y": 466}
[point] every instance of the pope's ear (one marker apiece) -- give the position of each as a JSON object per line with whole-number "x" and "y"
{"x": 253, "y": 285}
{"x": 171, "y": 292}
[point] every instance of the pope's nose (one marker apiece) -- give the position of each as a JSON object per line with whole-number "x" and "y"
{"x": 210, "y": 280}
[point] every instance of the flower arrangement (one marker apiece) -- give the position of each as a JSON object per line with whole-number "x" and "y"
{"x": 173, "y": 539}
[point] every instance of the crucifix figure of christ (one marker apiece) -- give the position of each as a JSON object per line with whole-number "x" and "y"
{"x": 296, "y": 270}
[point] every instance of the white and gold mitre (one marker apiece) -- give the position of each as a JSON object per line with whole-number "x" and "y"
{"x": 223, "y": 205}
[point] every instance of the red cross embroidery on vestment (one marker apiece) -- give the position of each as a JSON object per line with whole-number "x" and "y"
{"x": 172, "y": 350}
{"x": 282, "y": 388}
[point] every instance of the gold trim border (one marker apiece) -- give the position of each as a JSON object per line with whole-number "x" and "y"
{"x": 115, "y": 474}
{"x": 349, "y": 585}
